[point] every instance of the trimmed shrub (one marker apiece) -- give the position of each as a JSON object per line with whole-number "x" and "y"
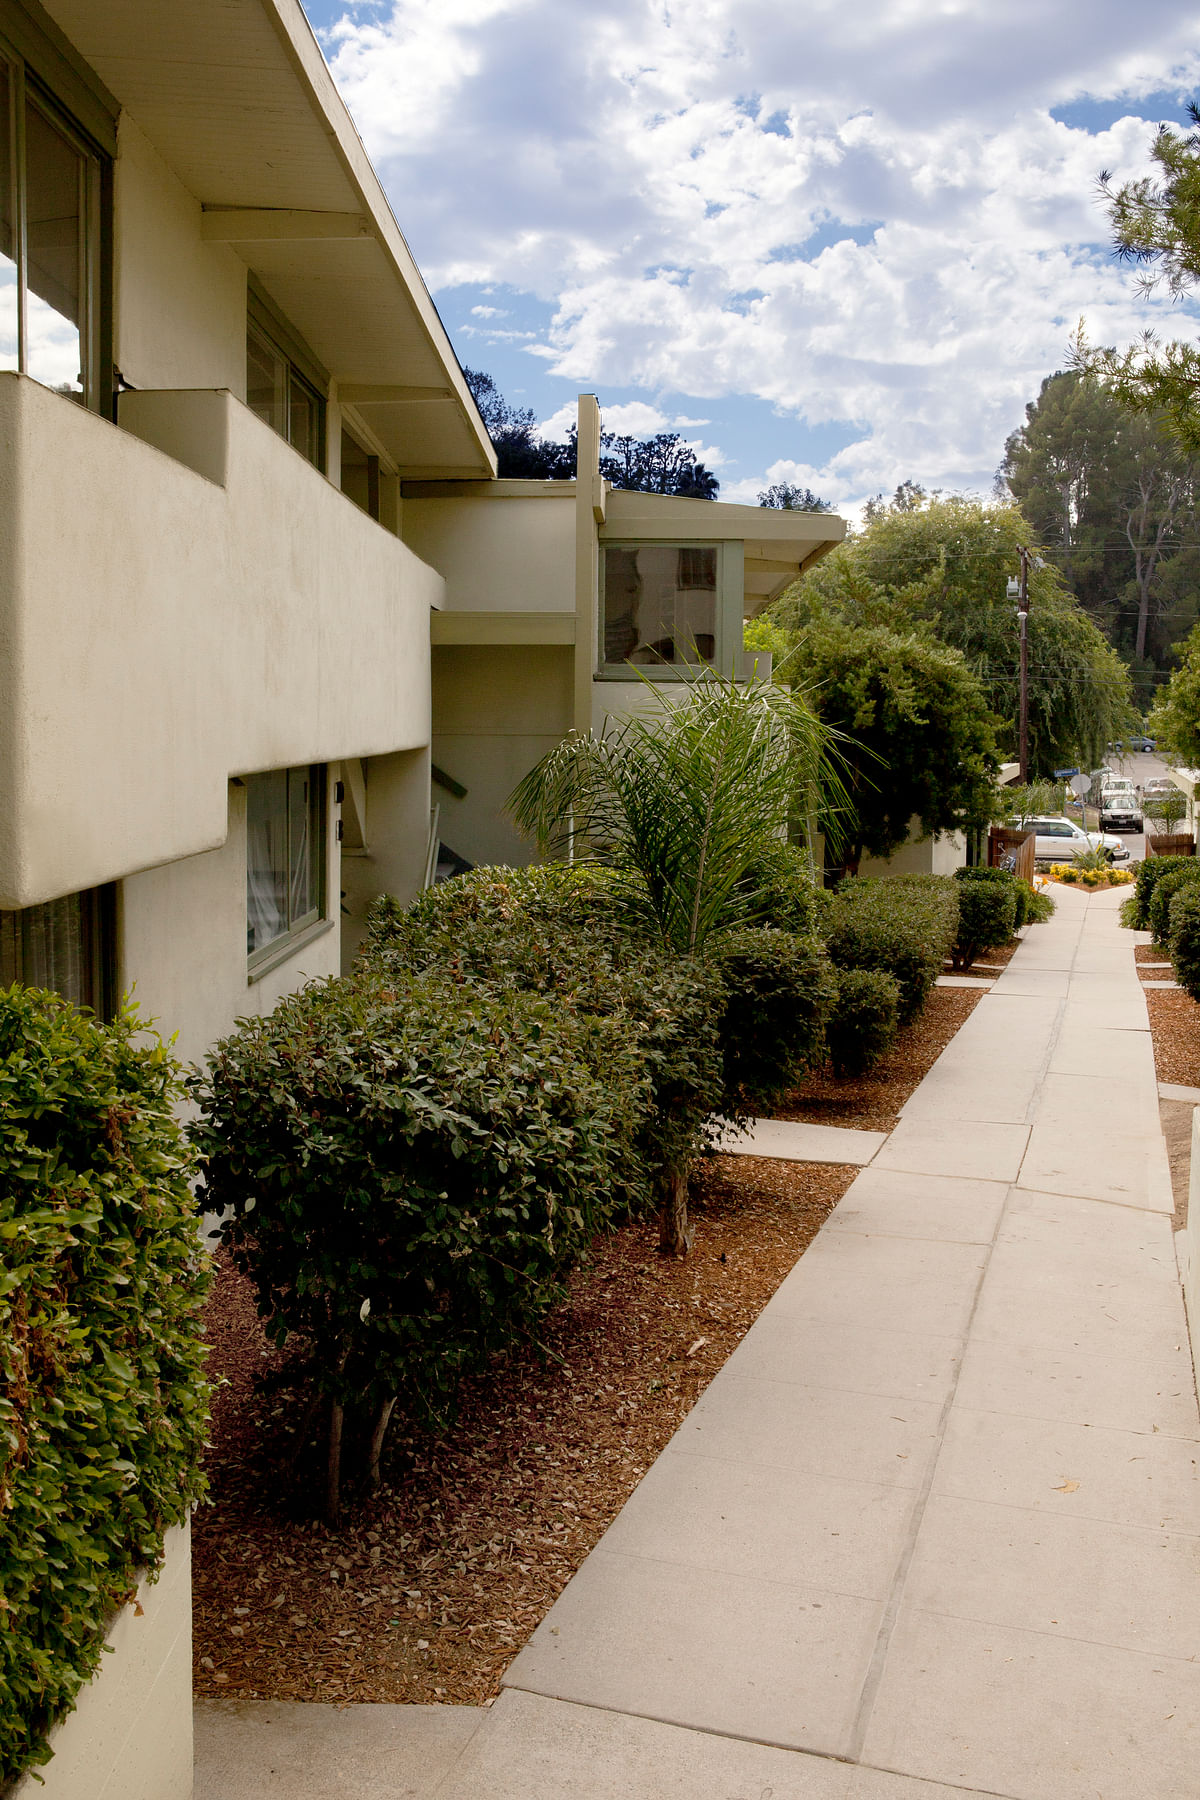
{"x": 1158, "y": 912}
{"x": 1184, "y": 929}
{"x": 1149, "y": 874}
{"x": 986, "y": 914}
{"x": 410, "y": 1168}
{"x": 865, "y": 1020}
{"x": 1002, "y": 878}
{"x": 904, "y": 928}
{"x": 779, "y": 988}
{"x": 785, "y": 894}
{"x": 103, "y": 1404}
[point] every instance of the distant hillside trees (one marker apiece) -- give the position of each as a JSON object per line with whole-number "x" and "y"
{"x": 1114, "y": 498}
{"x": 661, "y": 464}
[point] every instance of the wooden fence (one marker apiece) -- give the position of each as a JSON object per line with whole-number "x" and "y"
{"x": 1004, "y": 842}
{"x": 1177, "y": 843}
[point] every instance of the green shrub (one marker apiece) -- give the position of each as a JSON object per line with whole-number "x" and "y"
{"x": 778, "y": 991}
{"x": 986, "y": 914}
{"x": 1021, "y": 890}
{"x": 411, "y": 1166}
{"x": 865, "y": 1019}
{"x": 1184, "y": 929}
{"x": 103, "y": 1405}
{"x": 785, "y": 894}
{"x": 904, "y": 928}
{"x": 1158, "y": 913}
{"x": 1149, "y": 873}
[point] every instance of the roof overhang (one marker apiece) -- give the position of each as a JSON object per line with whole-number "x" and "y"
{"x": 779, "y": 545}
{"x": 237, "y": 99}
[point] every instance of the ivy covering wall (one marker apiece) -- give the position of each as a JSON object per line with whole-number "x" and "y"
{"x": 103, "y": 1402}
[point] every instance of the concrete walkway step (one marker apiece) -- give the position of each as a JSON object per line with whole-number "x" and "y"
{"x": 794, "y": 1140}
{"x": 966, "y": 981}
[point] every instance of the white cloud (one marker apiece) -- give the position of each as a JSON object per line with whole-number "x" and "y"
{"x": 656, "y": 174}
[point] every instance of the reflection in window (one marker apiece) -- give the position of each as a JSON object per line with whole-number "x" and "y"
{"x": 9, "y": 341}
{"x": 660, "y": 604}
{"x": 281, "y": 396}
{"x": 49, "y": 204}
{"x": 65, "y": 945}
{"x": 284, "y": 863}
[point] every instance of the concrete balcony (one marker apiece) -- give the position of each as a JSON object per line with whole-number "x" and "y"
{"x": 181, "y": 600}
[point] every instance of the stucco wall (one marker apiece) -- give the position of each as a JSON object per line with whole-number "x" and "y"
{"x": 497, "y": 710}
{"x": 920, "y": 855}
{"x": 179, "y": 303}
{"x": 498, "y": 554}
{"x": 163, "y": 631}
{"x": 130, "y": 1735}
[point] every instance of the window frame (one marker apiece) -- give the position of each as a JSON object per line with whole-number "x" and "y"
{"x": 315, "y": 921}
{"x": 44, "y": 70}
{"x": 264, "y": 318}
{"x": 728, "y": 620}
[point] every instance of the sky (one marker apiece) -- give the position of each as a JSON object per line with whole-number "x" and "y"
{"x": 838, "y": 243}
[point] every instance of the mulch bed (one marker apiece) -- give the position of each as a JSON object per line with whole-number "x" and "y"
{"x": 1175, "y": 1034}
{"x": 872, "y": 1102}
{"x": 430, "y": 1587}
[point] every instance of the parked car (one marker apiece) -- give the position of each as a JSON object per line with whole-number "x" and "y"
{"x": 1120, "y": 810}
{"x": 1141, "y": 742}
{"x": 1059, "y": 839}
{"x": 1161, "y": 784}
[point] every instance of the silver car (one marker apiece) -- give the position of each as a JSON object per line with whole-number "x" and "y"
{"x": 1059, "y": 839}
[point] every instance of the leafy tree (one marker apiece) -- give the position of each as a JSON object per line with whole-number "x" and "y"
{"x": 520, "y": 453}
{"x": 917, "y": 734}
{"x": 1114, "y": 492}
{"x": 1175, "y": 720}
{"x": 663, "y": 464}
{"x": 787, "y": 497}
{"x": 944, "y": 565}
{"x": 1155, "y": 223}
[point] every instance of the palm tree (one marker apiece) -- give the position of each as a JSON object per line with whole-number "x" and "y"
{"x": 692, "y": 799}
{"x": 691, "y": 804}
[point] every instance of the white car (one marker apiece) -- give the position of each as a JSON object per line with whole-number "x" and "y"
{"x": 1059, "y": 839}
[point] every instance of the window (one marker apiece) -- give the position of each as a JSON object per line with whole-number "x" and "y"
{"x": 285, "y": 385}
{"x": 661, "y": 606}
{"x": 285, "y": 857}
{"x": 66, "y": 945}
{"x": 53, "y": 251}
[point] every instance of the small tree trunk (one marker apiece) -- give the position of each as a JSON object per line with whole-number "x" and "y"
{"x": 333, "y": 1468}
{"x": 675, "y": 1235}
{"x": 382, "y": 1420}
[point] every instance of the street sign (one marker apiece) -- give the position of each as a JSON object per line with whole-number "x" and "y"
{"x": 1080, "y": 784}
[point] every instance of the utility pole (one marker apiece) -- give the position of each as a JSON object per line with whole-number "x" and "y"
{"x": 1022, "y": 597}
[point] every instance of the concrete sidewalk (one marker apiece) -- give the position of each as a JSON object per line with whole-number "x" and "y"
{"x": 934, "y": 1529}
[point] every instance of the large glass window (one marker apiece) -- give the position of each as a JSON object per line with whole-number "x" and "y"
{"x": 285, "y": 855}
{"x": 65, "y": 945}
{"x": 283, "y": 387}
{"x": 660, "y": 605}
{"x": 50, "y": 261}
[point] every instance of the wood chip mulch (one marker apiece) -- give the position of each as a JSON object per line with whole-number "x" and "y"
{"x": 872, "y": 1102}
{"x": 1175, "y": 1034}
{"x": 429, "y": 1588}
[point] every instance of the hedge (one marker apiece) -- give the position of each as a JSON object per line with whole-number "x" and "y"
{"x": 864, "y": 1021}
{"x": 104, "y": 1406}
{"x": 987, "y": 911}
{"x": 1021, "y": 890}
{"x": 779, "y": 989}
{"x": 1184, "y": 938}
{"x": 1158, "y": 911}
{"x": 1149, "y": 873}
{"x": 906, "y": 929}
